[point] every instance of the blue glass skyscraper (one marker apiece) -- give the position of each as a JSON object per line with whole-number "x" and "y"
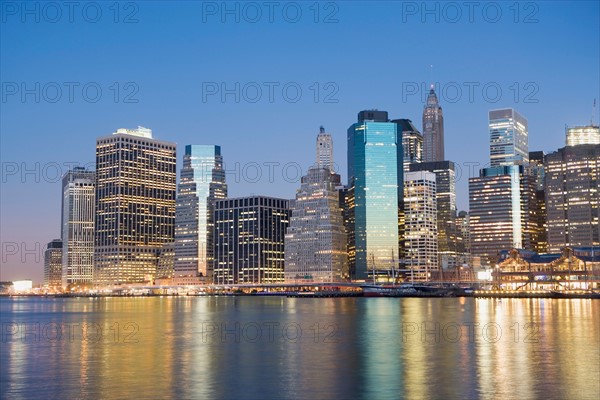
{"x": 202, "y": 182}
{"x": 375, "y": 180}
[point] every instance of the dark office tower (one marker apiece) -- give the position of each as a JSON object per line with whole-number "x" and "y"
{"x": 373, "y": 115}
{"x": 375, "y": 180}
{"x": 346, "y": 197}
{"x": 249, "y": 237}
{"x": 463, "y": 234}
{"x": 135, "y": 205}
{"x": 535, "y": 170}
{"x": 78, "y": 214}
{"x": 445, "y": 183}
{"x": 53, "y": 264}
{"x": 433, "y": 129}
{"x": 412, "y": 142}
{"x": 572, "y": 196}
{"x": 202, "y": 181}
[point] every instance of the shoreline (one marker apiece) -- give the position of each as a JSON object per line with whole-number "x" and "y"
{"x": 476, "y": 294}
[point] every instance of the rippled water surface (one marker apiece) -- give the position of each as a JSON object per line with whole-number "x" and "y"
{"x": 271, "y": 347}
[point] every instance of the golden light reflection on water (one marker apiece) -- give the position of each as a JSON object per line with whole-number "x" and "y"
{"x": 221, "y": 347}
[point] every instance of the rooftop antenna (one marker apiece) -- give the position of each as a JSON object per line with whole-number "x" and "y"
{"x": 593, "y": 113}
{"x": 431, "y": 76}
{"x": 321, "y": 129}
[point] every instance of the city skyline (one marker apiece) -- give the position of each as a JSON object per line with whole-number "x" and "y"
{"x": 322, "y": 199}
{"x": 321, "y": 154}
{"x": 529, "y": 86}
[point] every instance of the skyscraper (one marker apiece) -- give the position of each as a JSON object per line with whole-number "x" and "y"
{"x": 463, "y": 232}
{"x": 325, "y": 150}
{"x": 572, "y": 196}
{"x": 508, "y": 138}
{"x": 539, "y": 228}
{"x": 315, "y": 242}
{"x": 577, "y": 135}
{"x": 433, "y": 129}
{"x": 421, "y": 235}
{"x": 78, "y": 214}
{"x": 53, "y": 264}
{"x": 500, "y": 218}
{"x": 445, "y": 185}
{"x": 412, "y": 142}
{"x": 375, "y": 180}
{"x": 249, "y": 240}
{"x": 202, "y": 181}
{"x": 135, "y": 205}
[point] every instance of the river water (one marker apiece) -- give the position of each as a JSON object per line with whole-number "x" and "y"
{"x": 291, "y": 348}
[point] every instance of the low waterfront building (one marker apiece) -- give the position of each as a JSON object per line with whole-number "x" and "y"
{"x": 574, "y": 268}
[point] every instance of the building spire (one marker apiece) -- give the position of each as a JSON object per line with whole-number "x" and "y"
{"x": 324, "y": 150}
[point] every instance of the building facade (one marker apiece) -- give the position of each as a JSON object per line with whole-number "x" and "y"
{"x": 433, "y": 129}
{"x": 135, "y": 205}
{"x": 573, "y": 268}
{"x": 572, "y": 196}
{"x": 77, "y": 224}
{"x": 53, "y": 264}
{"x": 421, "y": 227}
{"x": 412, "y": 143}
{"x": 577, "y": 135}
{"x": 445, "y": 185}
{"x": 463, "y": 233}
{"x": 202, "y": 181}
{"x": 509, "y": 141}
{"x": 249, "y": 240}
{"x": 375, "y": 180}
{"x": 324, "y": 151}
{"x": 500, "y": 200}
{"x": 539, "y": 226}
{"x": 315, "y": 242}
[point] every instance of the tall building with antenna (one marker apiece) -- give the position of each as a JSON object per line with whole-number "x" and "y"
{"x": 433, "y": 129}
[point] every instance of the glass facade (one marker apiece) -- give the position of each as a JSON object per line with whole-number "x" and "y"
{"x": 375, "y": 176}
{"x": 202, "y": 181}
{"x": 509, "y": 141}
{"x": 78, "y": 214}
{"x": 135, "y": 205}
{"x": 249, "y": 239}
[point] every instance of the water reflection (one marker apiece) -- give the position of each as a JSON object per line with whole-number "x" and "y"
{"x": 241, "y": 347}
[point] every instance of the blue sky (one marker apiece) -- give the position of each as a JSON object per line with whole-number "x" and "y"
{"x": 171, "y": 58}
